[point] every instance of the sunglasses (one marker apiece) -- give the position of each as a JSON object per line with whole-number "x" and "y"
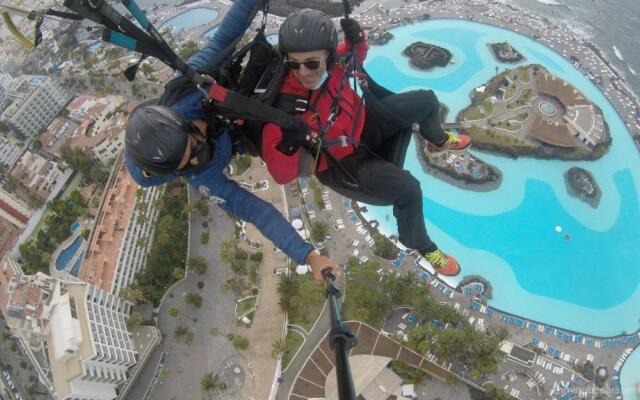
{"x": 197, "y": 148}
{"x": 310, "y": 65}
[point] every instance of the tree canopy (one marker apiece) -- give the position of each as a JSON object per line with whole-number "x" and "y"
{"x": 36, "y": 252}
{"x": 169, "y": 249}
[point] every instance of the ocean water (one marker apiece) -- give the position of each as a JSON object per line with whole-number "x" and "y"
{"x": 611, "y": 24}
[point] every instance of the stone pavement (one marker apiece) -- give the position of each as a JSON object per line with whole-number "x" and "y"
{"x": 268, "y": 320}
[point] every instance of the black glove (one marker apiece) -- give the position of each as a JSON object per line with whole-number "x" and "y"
{"x": 352, "y": 30}
{"x": 294, "y": 136}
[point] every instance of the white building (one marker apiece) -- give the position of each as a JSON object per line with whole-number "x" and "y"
{"x": 5, "y": 84}
{"x": 90, "y": 348}
{"x": 136, "y": 243}
{"x": 102, "y": 125}
{"x": 37, "y": 174}
{"x": 9, "y": 152}
{"x": 74, "y": 334}
{"x": 587, "y": 123}
{"x": 38, "y": 100}
{"x": 9, "y": 66}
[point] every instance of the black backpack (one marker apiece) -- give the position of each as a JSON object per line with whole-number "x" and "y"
{"x": 255, "y": 71}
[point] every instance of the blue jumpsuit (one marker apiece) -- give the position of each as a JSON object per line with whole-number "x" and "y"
{"x": 210, "y": 181}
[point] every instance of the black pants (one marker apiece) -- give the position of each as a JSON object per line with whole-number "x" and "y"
{"x": 366, "y": 177}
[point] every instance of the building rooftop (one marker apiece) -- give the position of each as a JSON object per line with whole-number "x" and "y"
{"x": 37, "y": 174}
{"x": 554, "y": 134}
{"x": 24, "y": 300}
{"x": 69, "y": 342}
{"x": 59, "y": 130}
{"x": 8, "y": 236}
{"x": 104, "y": 247}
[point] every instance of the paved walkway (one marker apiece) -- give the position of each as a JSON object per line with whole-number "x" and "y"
{"x": 268, "y": 320}
{"x": 185, "y": 364}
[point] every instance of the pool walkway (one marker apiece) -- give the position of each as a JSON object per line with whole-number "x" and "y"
{"x": 560, "y": 353}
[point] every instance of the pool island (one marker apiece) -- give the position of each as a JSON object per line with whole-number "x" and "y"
{"x": 379, "y": 36}
{"x": 460, "y": 169}
{"x": 425, "y": 56}
{"x": 528, "y": 111}
{"x": 505, "y": 53}
{"x": 582, "y": 185}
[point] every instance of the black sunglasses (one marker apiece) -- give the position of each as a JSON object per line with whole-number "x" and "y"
{"x": 197, "y": 148}
{"x": 310, "y": 65}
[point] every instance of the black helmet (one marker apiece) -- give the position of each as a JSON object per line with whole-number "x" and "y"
{"x": 307, "y": 30}
{"x": 156, "y": 139}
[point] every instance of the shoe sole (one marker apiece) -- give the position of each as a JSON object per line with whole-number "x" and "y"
{"x": 443, "y": 274}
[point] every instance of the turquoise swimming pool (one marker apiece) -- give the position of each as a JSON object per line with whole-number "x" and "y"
{"x": 588, "y": 284}
{"x": 192, "y": 18}
{"x": 66, "y": 255}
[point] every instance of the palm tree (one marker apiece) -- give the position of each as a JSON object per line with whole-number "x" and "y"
{"x": 501, "y": 334}
{"x": 194, "y": 300}
{"x": 199, "y": 264}
{"x": 145, "y": 68}
{"x": 180, "y": 333}
{"x": 209, "y": 383}
{"x": 318, "y": 232}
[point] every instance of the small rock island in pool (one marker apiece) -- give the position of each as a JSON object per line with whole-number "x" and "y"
{"x": 505, "y": 53}
{"x": 581, "y": 184}
{"x": 426, "y": 56}
{"x": 379, "y": 37}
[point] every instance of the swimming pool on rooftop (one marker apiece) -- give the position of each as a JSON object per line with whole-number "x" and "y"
{"x": 588, "y": 284}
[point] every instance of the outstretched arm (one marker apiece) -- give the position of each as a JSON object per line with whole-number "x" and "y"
{"x": 234, "y": 24}
{"x": 231, "y": 197}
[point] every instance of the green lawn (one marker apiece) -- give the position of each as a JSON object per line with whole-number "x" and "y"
{"x": 520, "y": 117}
{"x": 508, "y": 126}
{"x": 301, "y": 298}
{"x": 245, "y": 306}
{"x": 293, "y": 341}
{"x": 511, "y": 91}
{"x": 483, "y": 110}
{"x": 524, "y": 74}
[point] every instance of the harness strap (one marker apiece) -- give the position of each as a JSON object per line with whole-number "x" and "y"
{"x": 342, "y": 141}
{"x": 170, "y": 55}
{"x": 233, "y": 104}
{"x": 292, "y": 103}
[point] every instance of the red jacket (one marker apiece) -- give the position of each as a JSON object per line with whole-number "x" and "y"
{"x": 284, "y": 168}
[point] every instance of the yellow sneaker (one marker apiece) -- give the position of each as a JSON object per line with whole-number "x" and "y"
{"x": 443, "y": 263}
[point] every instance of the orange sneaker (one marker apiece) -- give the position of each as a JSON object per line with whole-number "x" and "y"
{"x": 443, "y": 263}
{"x": 453, "y": 143}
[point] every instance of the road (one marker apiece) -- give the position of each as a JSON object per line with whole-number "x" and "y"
{"x": 11, "y": 360}
{"x": 186, "y": 363}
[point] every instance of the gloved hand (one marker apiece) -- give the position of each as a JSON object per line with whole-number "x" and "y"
{"x": 352, "y": 30}
{"x": 294, "y": 136}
